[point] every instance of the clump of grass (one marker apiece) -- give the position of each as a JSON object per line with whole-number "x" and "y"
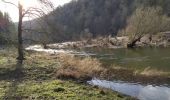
{"x": 74, "y": 67}
{"x": 144, "y": 76}
{"x": 153, "y": 72}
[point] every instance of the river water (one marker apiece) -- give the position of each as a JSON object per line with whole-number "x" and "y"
{"x": 141, "y": 58}
{"x": 154, "y": 58}
{"x": 142, "y": 92}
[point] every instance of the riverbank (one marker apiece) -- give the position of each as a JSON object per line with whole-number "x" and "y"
{"x": 88, "y": 68}
{"x": 104, "y": 42}
{"x": 39, "y": 78}
{"x": 113, "y": 42}
{"x": 74, "y": 67}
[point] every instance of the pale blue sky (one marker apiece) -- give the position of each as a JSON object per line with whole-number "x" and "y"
{"x": 13, "y": 12}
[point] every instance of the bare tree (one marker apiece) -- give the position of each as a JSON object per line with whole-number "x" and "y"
{"x": 29, "y": 12}
{"x": 144, "y": 21}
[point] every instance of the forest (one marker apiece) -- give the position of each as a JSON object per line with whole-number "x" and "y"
{"x": 81, "y": 18}
{"x": 6, "y": 28}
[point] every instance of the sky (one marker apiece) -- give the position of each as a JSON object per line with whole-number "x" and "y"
{"x": 13, "y": 12}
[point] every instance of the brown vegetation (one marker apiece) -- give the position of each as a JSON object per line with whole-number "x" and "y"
{"x": 76, "y": 68}
{"x": 146, "y": 76}
{"x": 83, "y": 69}
{"x": 153, "y": 72}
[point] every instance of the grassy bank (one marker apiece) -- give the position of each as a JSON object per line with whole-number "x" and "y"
{"x": 54, "y": 89}
{"x": 86, "y": 68}
{"x": 43, "y": 77}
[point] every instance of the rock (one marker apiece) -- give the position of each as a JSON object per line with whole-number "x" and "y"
{"x": 111, "y": 42}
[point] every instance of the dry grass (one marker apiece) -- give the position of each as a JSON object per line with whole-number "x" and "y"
{"x": 74, "y": 67}
{"x": 81, "y": 69}
{"x": 153, "y": 72}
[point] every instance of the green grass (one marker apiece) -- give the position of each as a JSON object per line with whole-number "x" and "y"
{"x": 36, "y": 80}
{"x": 56, "y": 89}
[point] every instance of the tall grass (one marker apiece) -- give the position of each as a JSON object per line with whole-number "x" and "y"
{"x": 74, "y": 67}
{"x": 153, "y": 72}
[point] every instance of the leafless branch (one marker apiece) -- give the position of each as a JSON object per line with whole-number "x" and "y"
{"x": 10, "y": 3}
{"x": 47, "y": 3}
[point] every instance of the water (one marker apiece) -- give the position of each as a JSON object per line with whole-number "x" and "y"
{"x": 141, "y": 58}
{"x": 148, "y": 92}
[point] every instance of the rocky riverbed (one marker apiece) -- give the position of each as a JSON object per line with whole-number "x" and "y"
{"x": 111, "y": 42}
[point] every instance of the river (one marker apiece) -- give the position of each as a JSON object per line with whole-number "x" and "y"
{"x": 142, "y": 92}
{"x": 140, "y": 58}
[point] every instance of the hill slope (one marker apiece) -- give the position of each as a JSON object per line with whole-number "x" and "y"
{"x": 90, "y": 18}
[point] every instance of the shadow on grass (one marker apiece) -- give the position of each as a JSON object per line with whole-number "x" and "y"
{"x": 15, "y": 72}
{"x": 18, "y": 73}
{"x": 15, "y": 77}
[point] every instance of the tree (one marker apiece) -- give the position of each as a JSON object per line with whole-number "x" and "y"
{"x": 6, "y": 28}
{"x": 31, "y": 11}
{"x": 145, "y": 20}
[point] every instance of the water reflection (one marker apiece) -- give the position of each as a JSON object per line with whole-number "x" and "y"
{"x": 156, "y": 58}
{"x": 139, "y": 59}
{"x": 141, "y": 92}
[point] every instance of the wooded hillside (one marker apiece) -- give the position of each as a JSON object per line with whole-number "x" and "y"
{"x": 6, "y": 27}
{"x": 81, "y": 19}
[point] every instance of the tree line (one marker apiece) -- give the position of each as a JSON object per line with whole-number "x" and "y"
{"x": 82, "y": 19}
{"x": 91, "y": 18}
{"x": 6, "y": 28}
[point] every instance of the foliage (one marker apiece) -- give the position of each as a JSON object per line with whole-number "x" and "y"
{"x": 164, "y": 4}
{"x": 7, "y": 28}
{"x": 146, "y": 20}
{"x": 99, "y": 17}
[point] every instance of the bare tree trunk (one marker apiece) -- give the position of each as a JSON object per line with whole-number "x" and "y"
{"x": 45, "y": 46}
{"x": 133, "y": 43}
{"x": 20, "y": 42}
{"x": 150, "y": 38}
